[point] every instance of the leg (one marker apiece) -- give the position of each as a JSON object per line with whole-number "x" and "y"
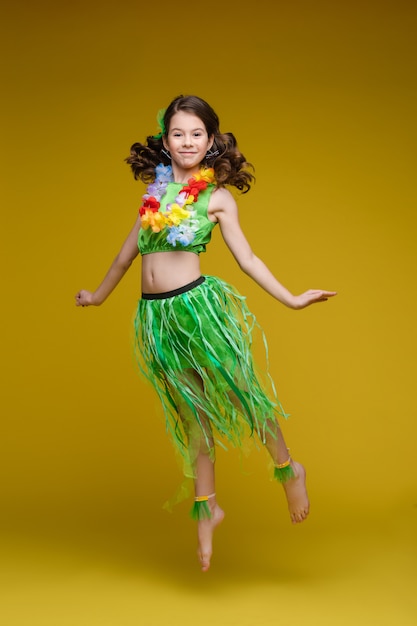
{"x": 295, "y": 488}
{"x": 205, "y": 486}
{"x": 201, "y": 450}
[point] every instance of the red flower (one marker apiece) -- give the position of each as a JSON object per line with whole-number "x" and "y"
{"x": 149, "y": 204}
{"x": 194, "y": 187}
{"x": 152, "y": 204}
{"x": 198, "y": 184}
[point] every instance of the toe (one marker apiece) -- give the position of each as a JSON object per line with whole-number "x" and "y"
{"x": 205, "y": 563}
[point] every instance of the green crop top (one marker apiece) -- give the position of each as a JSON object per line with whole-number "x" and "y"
{"x": 190, "y": 234}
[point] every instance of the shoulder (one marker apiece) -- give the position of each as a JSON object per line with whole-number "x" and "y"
{"x": 223, "y": 207}
{"x": 221, "y": 201}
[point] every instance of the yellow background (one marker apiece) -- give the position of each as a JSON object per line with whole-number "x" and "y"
{"x": 322, "y": 99}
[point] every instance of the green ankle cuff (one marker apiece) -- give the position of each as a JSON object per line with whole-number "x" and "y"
{"x": 200, "y": 510}
{"x": 282, "y": 474}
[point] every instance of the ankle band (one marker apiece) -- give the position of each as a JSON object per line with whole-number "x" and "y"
{"x": 283, "y": 465}
{"x": 284, "y": 471}
{"x": 200, "y": 509}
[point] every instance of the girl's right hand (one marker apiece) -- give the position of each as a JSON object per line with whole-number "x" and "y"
{"x": 84, "y": 298}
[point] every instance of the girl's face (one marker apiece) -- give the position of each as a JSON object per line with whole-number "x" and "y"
{"x": 187, "y": 140}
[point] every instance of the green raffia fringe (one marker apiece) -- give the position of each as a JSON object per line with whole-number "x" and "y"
{"x": 200, "y": 510}
{"x": 282, "y": 474}
{"x": 196, "y": 350}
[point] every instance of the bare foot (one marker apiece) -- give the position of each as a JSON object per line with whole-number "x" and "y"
{"x": 296, "y": 492}
{"x": 205, "y": 535}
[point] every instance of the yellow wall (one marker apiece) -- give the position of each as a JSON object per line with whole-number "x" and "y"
{"x": 321, "y": 97}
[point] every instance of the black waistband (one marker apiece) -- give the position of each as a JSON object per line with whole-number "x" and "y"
{"x": 174, "y": 292}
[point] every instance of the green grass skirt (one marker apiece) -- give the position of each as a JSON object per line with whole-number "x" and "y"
{"x": 196, "y": 349}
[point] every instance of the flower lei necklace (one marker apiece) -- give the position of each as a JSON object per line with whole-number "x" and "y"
{"x": 179, "y": 218}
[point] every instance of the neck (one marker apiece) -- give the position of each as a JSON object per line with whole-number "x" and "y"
{"x": 182, "y": 175}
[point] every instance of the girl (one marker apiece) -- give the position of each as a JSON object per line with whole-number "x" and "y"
{"x": 193, "y": 333}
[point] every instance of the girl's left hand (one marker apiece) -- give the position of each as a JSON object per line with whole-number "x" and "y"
{"x": 311, "y": 297}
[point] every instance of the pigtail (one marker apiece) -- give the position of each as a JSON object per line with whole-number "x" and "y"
{"x": 230, "y": 166}
{"x": 144, "y": 158}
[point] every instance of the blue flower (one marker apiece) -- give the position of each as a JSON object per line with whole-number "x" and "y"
{"x": 173, "y": 235}
{"x": 186, "y": 236}
{"x": 163, "y": 173}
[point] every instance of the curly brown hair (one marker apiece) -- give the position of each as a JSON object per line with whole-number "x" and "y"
{"x": 229, "y": 164}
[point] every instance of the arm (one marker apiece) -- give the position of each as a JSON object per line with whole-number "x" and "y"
{"x": 224, "y": 209}
{"x": 118, "y": 269}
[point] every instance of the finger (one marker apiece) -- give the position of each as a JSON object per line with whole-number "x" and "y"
{"x": 323, "y": 292}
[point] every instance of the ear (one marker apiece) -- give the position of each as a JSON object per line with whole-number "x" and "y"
{"x": 211, "y": 142}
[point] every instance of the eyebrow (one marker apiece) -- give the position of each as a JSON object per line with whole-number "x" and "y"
{"x": 193, "y": 130}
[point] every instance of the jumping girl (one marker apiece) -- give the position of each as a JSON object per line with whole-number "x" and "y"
{"x": 194, "y": 333}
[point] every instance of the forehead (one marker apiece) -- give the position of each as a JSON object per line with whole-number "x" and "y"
{"x": 182, "y": 120}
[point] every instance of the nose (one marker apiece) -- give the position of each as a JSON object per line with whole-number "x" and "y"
{"x": 187, "y": 140}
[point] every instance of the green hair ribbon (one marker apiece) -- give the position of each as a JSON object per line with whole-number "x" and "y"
{"x": 161, "y": 124}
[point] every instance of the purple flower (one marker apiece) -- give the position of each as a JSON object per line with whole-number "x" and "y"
{"x": 154, "y": 189}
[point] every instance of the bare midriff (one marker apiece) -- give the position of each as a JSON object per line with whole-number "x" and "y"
{"x": 166, "y": 271}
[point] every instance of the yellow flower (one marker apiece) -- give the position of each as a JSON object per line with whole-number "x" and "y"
{"x": 176, "y": 215}
{"x": 205, "y": 173}
{"x": 155, "y": 220}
